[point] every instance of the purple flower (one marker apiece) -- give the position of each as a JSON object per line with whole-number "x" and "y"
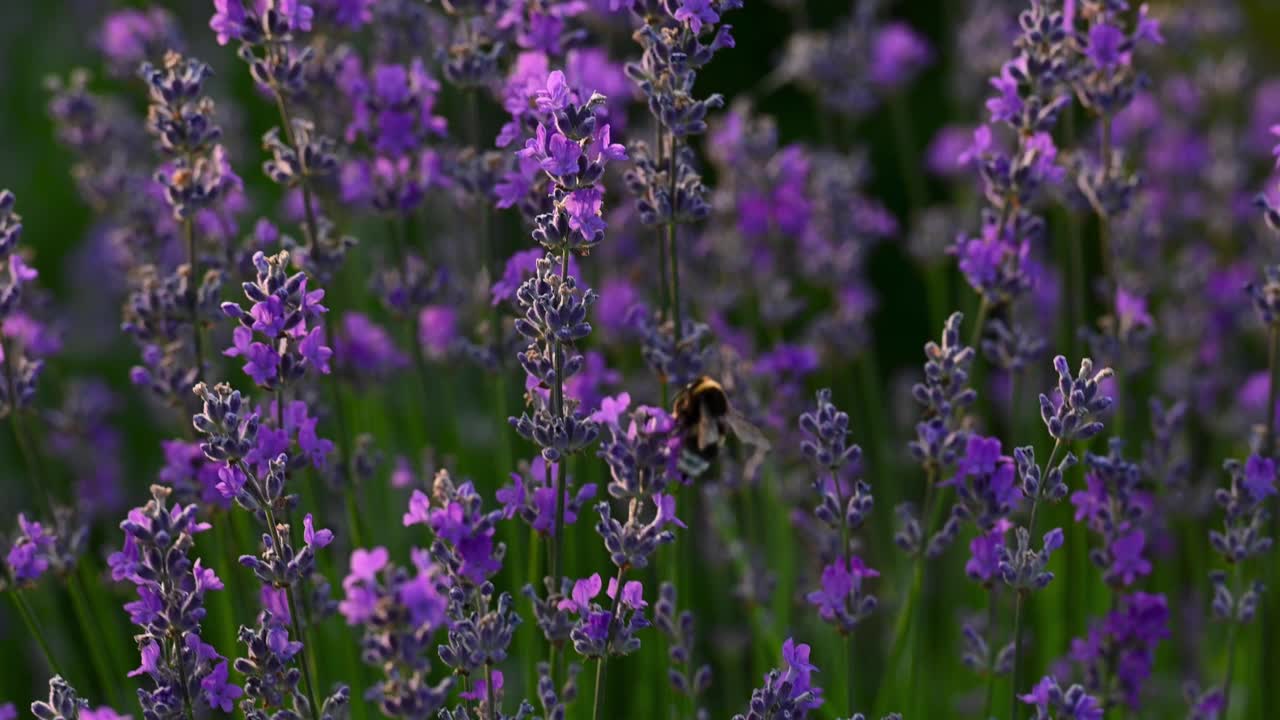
{"x": 632, "y": 593}
{"x": 583, "y": 208}
{"x": 841, "y": 581}
{"x": 318, "y": 538}
{"x": 1127, "y": 563}
{"x": 262, "y": 363}
{"x": 1106, "y": 47}
{"x": 437, "y": 330}
{"x": 696, "y": 12}
{"x": 217, "y": 691}
{"x": 230, "y": 481}
{"x": 28, "y": 558}
{"x": 276, "y": 601}
{"x": 612, "y": 408}
{"x": 799, "y": 672}
{"x": 315, "y": 351}
{"x": 481, "y": 691}
{"x": 1260, "y": 477}
{"x": 897, "y": 54}
{"x": 365, "y": 564}
{"x": 556, "y": 95}
{"x": 984, "y": 552}
{"x": 584, "y": 591}
{"x": 426, "y": 605}
{"x": 147, "y": 608}
{"x": 150, "y": 660}
{"x": 366, "y": 347}
{"x": 1007, "y": 106}
{"x": 1148, "y": 28}
{"x": 228, "y": 21}
{"x": 279, "y": 643}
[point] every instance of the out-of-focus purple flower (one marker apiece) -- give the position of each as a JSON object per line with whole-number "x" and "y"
{"x": 946, "y": 156}
{"x": 129, "y": 37}
{"x": 438, "y": 329}
{"x": 1260, "y": 477}
{"x": 898, "y": 53}
{"x": 365, "y": 347}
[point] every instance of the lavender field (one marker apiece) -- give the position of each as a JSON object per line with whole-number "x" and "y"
{"x": 639, "y": 359}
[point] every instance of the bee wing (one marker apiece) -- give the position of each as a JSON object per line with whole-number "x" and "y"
{"x": 747, "y": 432}
{"x": 708, "y": 432}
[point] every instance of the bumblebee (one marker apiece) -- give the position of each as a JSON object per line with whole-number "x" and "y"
{"x": 705, "y": 417}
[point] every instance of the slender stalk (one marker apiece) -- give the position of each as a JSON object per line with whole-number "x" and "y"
{"x": 1075, "y": 252}
{"x": 33, "y": 626}
{"x": 1273, "y": 359}
{"x": 176, "y": 657}
{"x": 343, "y": 441}
{"x": 992, "y": 616}
{"x": 195, "y": 279}
{"x": 308, "y": 207}
{"x": 1104, "y": 221}
{"x": 308, "y": 652}
{"x": 841, "y": 557}
{"x": 1017, "y": 654}
{"x": 1021, "y": 595}
{"x": 557, "y": 409}
{"x": 673, "y": 250}
{"x": 595, "y": 702}
{"x": 905, "y": 621}
{"x": 492, "y": 696}
{"x": 39, "y": 490}
{"x": 92, "y": 635}
{"x": 1232, "y": 637}
{"x": 608, "y": 638}
{"x": 984, "y": 308}
{"x": 663, "y": 292}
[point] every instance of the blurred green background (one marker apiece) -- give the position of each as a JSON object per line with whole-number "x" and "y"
{"x": 54, "y": 36}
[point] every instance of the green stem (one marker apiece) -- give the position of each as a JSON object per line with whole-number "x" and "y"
{"x": 1017, "y": 613}
{"x": 308, "y": 655}
{"x": 1273, "y": 355}
{"x": 599, "y": 693}
{"x": 1232, "y": 637}
{"x": 992, "y": 605}
{"x": 1104, "y": 221}
{"x": 673, "y": 250}
{"x": 608, "y": 638}
{"x": 849, "y": 663}
{"x": 195, "y": 280}
{"x": 1017, "y": 653}
{"x": 975, "y": 336}
{"x": 33, "y": 626}
{"x": 92, "y": 634}
{"x": 492, "y": 696}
